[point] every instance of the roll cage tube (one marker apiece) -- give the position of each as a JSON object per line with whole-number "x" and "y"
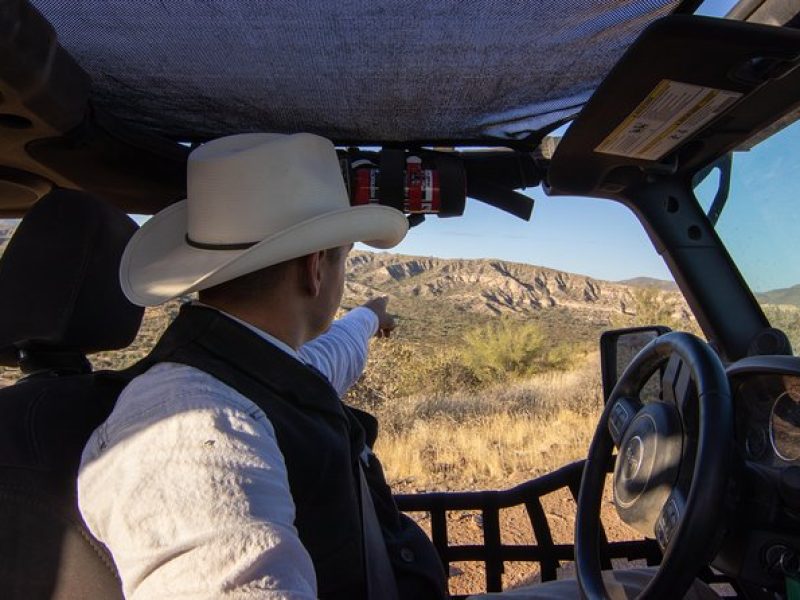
{"x": 723, "y": 304}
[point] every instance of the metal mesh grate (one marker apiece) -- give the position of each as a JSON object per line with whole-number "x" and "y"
{"x": 493, "y": 553}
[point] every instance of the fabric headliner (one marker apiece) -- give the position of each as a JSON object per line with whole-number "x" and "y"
{"x": 356, "y": 70}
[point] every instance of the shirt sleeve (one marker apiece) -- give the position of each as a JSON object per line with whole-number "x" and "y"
{"x": 187, "y": 487}
{"x": 341, "y": 352}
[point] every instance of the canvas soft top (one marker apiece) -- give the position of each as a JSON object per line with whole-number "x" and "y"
{"x": 97, "y": 95}
{"x": 366, "y": 71}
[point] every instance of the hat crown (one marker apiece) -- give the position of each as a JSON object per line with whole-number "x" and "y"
{"x": 244, "y": 188}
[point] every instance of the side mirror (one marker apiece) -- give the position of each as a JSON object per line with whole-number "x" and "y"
{"x": 617, "y": 349}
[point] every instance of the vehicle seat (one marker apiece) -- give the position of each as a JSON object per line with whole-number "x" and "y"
{"x": 60, "y": 299}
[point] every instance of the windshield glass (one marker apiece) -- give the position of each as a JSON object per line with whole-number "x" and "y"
{"x": 759, "y": 224}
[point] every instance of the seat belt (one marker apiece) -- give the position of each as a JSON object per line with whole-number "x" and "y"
{"x": 381, "y": 584}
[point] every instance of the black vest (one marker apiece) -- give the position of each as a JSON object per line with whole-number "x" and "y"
{"x": 321, "y": 440}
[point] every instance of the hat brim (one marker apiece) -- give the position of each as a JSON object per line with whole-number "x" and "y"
{"x": 158, "y": 264}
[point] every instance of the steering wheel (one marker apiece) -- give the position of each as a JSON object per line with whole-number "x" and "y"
{"x": 673, "y": 463}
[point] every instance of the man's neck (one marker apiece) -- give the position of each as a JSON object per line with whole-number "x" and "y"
{"x": 283, "y": 325}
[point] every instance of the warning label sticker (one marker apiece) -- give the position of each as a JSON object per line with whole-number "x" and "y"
{"x": 670, "y": 114}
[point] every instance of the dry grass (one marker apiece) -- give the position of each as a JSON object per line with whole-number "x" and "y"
{"x": 500, "y": 353}
{"x": 499, "y": 435}
{"x": 495, "y": 450}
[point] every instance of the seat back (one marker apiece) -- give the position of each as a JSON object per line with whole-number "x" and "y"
{"x": 60, "y": 299}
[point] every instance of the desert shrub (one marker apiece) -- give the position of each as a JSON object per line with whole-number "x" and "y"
{"x": 399, "y": 368}
{"x": 502, "y": 351}
{"x": 513, "y": 349}
{"x": 652, "y": 306}
{"x": 567, "y": 355}
{"x": 787, "y": 319}
{"x": 504, "y": 348}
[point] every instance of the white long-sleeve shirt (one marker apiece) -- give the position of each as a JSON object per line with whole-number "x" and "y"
{"x": 187, "y": 487}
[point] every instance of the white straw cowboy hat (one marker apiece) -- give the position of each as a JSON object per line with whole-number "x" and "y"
{"x": 254, "y": 200}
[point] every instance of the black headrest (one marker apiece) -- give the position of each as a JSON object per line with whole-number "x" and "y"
{"x": 59, "y": 282}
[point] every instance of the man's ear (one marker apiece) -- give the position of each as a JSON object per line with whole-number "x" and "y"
{"x": 311, "y": 272}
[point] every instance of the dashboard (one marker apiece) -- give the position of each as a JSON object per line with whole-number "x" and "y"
{"x": 762, "y": 544}
{"x": 766, "y": 393}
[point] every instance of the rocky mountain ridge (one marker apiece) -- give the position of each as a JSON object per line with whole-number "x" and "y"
{"x": 492, "y": 287}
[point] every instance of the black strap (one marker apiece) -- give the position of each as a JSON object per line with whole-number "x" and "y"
{"x": 505, "y": 199}
{"x": 392, "y": 178}
{"x": 453, "y": 185}
{"x": 381, "y": 583}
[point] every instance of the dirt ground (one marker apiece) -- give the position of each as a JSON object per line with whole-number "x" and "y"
{"x": 466, "y": 528}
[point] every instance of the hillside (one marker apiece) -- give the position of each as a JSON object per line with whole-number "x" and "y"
{"x": 650, "y": 282}
{"x": 790, "y": 295}
{"x": 445, "y": 295}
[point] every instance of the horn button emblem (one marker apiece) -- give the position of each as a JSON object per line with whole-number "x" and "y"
{"x": 633, "y": 455}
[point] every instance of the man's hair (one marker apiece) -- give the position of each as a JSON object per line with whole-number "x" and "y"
{"x": 247, "y": 286}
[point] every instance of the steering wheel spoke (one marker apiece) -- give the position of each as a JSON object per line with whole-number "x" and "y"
{"x": 676, "y": 382}
{"x": 669, "y": 519}
{"x": 622, "y": 415}
{"x": 671, "y": 374}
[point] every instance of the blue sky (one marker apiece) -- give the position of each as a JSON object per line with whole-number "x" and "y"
{"x": 761, "y": 224}
{"x": 715, "y": 8}
{"x": 582, "y": 235}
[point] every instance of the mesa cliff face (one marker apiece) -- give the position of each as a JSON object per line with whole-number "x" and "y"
{"x": 493, "y": 287}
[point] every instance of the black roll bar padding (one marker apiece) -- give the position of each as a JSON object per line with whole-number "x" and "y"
{"x": 715, "y": 290}
{"x": 511, "y": 170}
{"x": 687, "y": 6}
{"x": 67, "y": 142}
{"x": 453, "y": 187}
{"x": 415, "y": 219}
{"x": 391, "y": 177}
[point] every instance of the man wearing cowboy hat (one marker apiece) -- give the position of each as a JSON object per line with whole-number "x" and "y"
{"x": 229, "y": 467}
